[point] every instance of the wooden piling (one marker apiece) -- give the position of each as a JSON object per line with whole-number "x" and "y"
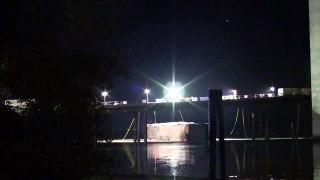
{"x": 266, "y": 130}
{"x": 212, "y": 125}
{"x": 139, "y": 127}
{"x": 135, "y": 127}
{"x": 216, "y": 116}
{"x": 292, "y": 122}
{"x": 298, "y": 120}
{"x": 221, "y": 137}
{"x": 145, "y": 135}
{"x": 155, "y": 116}
{"x": 253, "y": 126}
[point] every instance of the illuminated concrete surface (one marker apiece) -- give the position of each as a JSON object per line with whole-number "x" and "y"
{"x": 314, "y": 16}
{"x": 178, "y": 132}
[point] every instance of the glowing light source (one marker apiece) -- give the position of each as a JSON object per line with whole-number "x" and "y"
{"x": 104, "y": 94}
{"x": 147, "y": 91}
{"x": 174, "y": 91}
{"x": 272, "y": 88}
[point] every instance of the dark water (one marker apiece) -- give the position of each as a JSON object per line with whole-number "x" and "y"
{"x": 280, "y": 159}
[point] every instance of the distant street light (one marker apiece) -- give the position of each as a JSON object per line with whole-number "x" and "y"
{"x": 273, "y": 89}
{"x": 147, "y": 91}
{"x": 104, "y": 94}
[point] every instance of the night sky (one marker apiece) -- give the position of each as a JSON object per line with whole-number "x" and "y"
{"x": 244, "y": 45}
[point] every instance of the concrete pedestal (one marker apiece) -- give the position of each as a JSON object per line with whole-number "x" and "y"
{"x": 177, "y": 132}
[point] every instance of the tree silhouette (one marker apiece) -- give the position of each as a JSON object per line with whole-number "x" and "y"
{"x": 53, "y": 55}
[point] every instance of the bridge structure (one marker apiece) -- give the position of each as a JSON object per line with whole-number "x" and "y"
{"x": 259, "y": 110}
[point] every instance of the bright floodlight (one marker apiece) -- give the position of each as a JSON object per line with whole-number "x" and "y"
{"x": 272, "y": 88}
{"x": 174, "y": 91}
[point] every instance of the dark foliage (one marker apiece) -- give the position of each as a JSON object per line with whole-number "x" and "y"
{"x": 49, "y": 57}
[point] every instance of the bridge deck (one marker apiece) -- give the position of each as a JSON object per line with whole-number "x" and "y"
{"x": 203, "y": 105}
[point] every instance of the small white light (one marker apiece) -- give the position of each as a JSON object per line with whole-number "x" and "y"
{"x": 104, "y": 93}
{"x": 147, "y": 91}
{"x": 272, "y": 88}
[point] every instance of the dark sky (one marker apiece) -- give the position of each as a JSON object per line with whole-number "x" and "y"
{"x": 229, "y": 44}
{"x": 244, "y": 45}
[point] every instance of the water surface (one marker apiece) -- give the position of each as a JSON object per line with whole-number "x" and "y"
{"x": 284, "y": 159}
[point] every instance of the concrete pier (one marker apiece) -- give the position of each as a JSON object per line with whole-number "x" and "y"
{"x": 314, "y": 16}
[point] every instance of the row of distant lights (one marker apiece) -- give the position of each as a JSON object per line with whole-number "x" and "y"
{"x": 104, "y": 94}
{"x": 147, "y": 92}
{"x": 234, "y": 92}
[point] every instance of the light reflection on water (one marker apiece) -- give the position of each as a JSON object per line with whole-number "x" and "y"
{"x": 277, "y": 159}
{"x": 177, "y": 159}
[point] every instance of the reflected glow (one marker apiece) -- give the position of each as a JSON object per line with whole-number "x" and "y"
{"x": 172, "y": 156}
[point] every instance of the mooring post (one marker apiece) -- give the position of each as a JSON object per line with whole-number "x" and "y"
{"x": 155, "y": 116}
{"x": 135, "y": 127}
{"x": 298, "y": 120}
{"x": 215, "y": 116}
{"x": 253, "y": 127}
{"x": 145, "y": 128}
{"x": 266, "y": 130}
{"x": 292, "y": 123}
{"x": 221, "y": 136}
{"x": 212, "y": 125}
{"x": 139, "y": 127}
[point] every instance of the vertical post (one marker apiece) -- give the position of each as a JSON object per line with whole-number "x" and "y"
{"x": 266, "y": 130}
{"x": 135, "y": 127}
{"x": 212, "y": 125}
{"x": 298, "y": 120}
{"x": 215, "y": 116}
{"x": 292, "y": 121}
{"x": 221, "y": 135}
{"x": 253, "y": 127}
{"x": 139, "y": 127}
{"x": 155, "y": 116}
{"x": 145, "y": 130}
